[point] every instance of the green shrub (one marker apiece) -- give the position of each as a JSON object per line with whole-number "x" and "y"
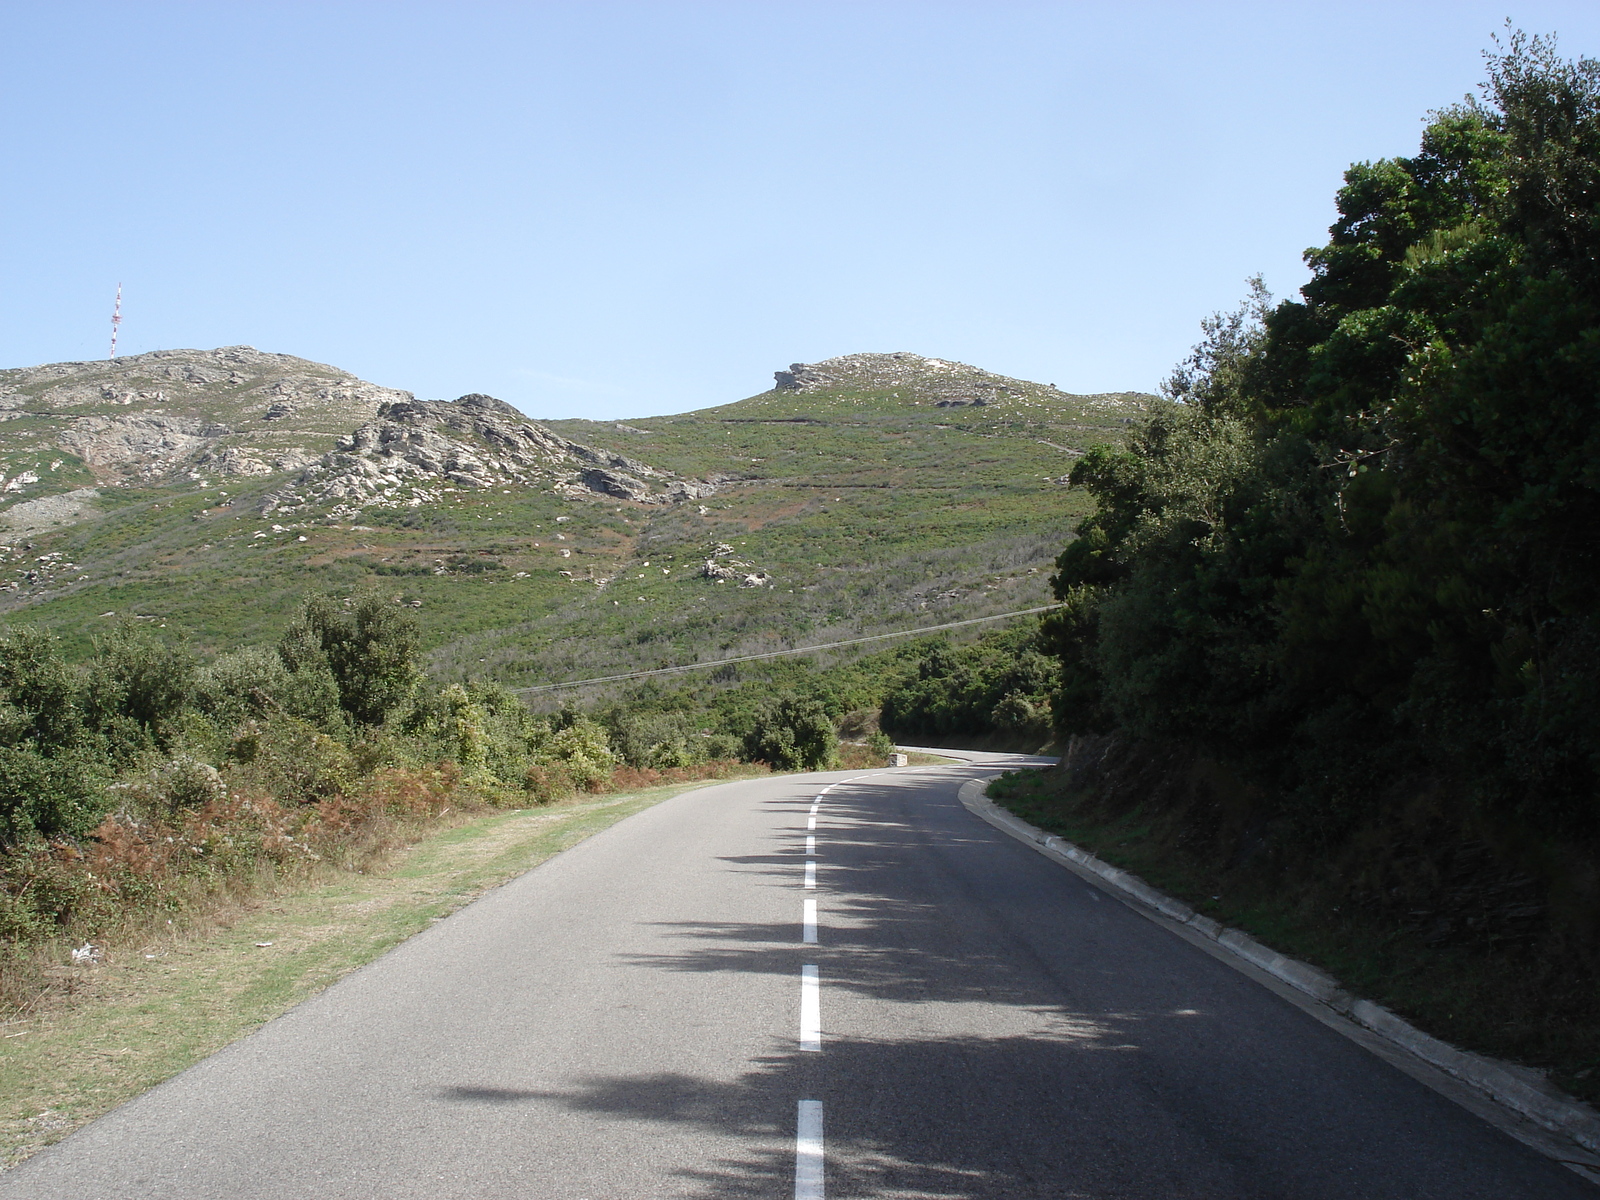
{"x": 182, "y": 782}
{"x": 135, "y": 687}
{"x": 583, "y": 752}
{"x": 44, "y": 797}
{"x": 655, "y": 739}
{"x": 369, "y": 649}
{"x": 251, "y": 683}
{"x": 42, "y": 694}
{"x": 792, "y": 734}
{"x": 291, "y": 760}
{"x": 717, "y": 746}
{"x": 1000, "y": 684}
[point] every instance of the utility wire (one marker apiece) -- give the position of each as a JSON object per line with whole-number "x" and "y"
{"x": 722, "y": 662}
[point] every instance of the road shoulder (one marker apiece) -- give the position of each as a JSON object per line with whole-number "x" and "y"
{"x": 158, "y": 1009}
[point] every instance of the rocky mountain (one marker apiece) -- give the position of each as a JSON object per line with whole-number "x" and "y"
{"x": 182, "y": 413}
{"x": 416, "y": 448}
{"x": 207, "y": 491}
{"x": 324, "y": 438}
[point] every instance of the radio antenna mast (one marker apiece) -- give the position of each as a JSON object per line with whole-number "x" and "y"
{"x": 116, "y": 319}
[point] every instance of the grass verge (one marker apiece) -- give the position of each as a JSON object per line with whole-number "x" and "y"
{"x": 146, "y": 1013}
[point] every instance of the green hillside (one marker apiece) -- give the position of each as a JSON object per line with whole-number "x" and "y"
{"x": 865, "y": 493}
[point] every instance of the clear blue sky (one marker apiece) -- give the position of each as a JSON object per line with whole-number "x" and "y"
{"x": 611, "y": 210}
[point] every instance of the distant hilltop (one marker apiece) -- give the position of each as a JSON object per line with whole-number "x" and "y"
{"x": 300, "y": 436}
{"x": 938, "y": 381}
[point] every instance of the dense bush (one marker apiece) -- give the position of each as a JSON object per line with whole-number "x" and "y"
{"x": 368, "y": 648}
{"x": 1357, "y": 545}
{"x": 792, "y": 733}
{"x": 141, "y": 777}
{"x": 44, "y": 797}
{"x": 1000, "y": 685}
{"x": 656, "y": 739}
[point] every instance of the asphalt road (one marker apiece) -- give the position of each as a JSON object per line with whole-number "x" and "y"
{"x": 642, "y": 1016}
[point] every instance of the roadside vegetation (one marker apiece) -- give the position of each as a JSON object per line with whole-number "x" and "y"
{"x": 145, "y": 785}
{"x": 992, "y": 694}
{"x": 190, "y": 844}
{"x": 1330, "y": 643}
{"x": 142, "y": 783}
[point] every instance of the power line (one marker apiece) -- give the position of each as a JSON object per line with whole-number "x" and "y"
{"x": 722, "y": 662}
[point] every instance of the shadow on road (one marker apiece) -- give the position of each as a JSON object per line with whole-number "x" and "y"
{"x": 1044, "y": 1043}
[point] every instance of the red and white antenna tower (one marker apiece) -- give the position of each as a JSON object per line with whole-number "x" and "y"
{"x": 116, "y": 319}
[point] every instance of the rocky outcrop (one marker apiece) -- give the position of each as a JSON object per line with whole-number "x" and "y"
{"x": 37, "y": 516}
{"x": 154, "y": 443}
{"x": 237, "y": 412}
{"x": 417, "y": 449}
{"x": 723, "y": 564}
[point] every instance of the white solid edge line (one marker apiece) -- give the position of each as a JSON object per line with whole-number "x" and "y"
{"x": 810, "y": 1009}
{"x": 811, "y": 874}
{"x": 808, "y": 1151}
{"x": 808, "y": 922}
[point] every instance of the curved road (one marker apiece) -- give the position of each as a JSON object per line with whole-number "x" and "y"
{"x": 642, "y": 1016}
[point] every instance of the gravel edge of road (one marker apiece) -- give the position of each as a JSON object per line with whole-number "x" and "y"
{"x": 1515, "y": 1094}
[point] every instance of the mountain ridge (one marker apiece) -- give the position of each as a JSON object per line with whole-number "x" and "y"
{"x": 861, "y": 498}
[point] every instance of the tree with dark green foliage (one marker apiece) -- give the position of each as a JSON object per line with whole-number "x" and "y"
{"x": 41, "y": 692}
{"x": 48, "y": 785}
{"x": 134, "y": 688}
{"x": 1360, "y": 538}
{"x": 999, "y": 685}
{"x": 792, "y": 733}
{"x": 367, "y": 645}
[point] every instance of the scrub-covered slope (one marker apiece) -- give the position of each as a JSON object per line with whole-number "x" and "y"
{"x": 207, "y": 490}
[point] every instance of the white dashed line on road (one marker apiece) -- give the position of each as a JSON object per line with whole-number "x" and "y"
{"x": 808, "y": 1161}
{"x": 808, "y": 1151}
{"x": 810, "y": 1009}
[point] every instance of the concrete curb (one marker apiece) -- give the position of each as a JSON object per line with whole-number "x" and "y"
{"x": 1523, "y": 1092}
